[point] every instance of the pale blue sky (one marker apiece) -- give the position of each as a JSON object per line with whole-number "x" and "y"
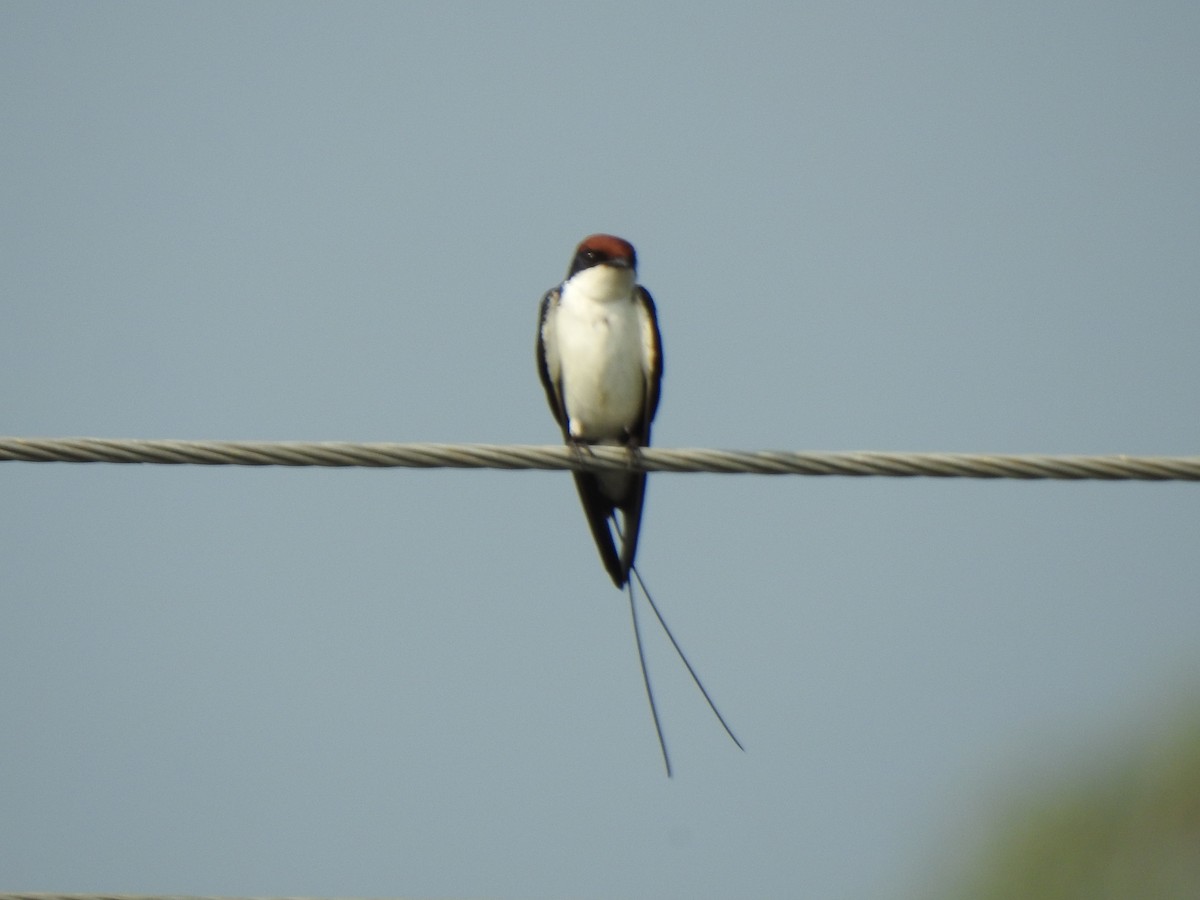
{"x": 943, "y": 226}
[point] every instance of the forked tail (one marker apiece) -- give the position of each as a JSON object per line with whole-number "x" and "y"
{"x": 637, "y": 633}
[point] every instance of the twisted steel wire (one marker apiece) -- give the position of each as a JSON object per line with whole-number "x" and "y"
{"x": 526, "y": 456}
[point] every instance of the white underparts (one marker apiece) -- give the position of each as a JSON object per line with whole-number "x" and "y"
{"x": 598, "y": 329}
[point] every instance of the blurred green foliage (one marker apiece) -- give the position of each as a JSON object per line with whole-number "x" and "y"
{"x": 1129, "y": 831}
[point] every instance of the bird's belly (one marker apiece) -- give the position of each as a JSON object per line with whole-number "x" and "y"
{"x": 603, "y": 385}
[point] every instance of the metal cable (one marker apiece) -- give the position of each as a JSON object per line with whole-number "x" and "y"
{"x": 494, "y": 456}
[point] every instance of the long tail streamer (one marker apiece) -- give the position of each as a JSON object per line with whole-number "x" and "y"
{"x": 637, "y": 634}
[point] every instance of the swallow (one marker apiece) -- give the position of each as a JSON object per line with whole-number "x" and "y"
{"x": 600, "y": 360}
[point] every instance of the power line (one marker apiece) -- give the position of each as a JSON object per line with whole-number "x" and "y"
{"x": 525, "y": 456}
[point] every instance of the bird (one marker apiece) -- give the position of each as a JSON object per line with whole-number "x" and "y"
{"x": 600, "y": 360}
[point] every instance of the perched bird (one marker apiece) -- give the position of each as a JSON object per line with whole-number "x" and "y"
{"x": 599, "y": 355}
{"x": 601, "y": 363}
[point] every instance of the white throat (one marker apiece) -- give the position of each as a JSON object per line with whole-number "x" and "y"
{"x": 602, "y": 283}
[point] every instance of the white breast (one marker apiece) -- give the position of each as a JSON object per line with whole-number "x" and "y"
{"x": 599, "y": 331}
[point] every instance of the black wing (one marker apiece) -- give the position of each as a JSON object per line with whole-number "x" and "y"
{"x": 631, "y": 504}
{"x": 547, "y": 361}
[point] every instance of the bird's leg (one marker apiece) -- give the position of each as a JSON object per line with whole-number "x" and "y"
{"x": 578, "y": 447}
{"x": 634, "y": 445}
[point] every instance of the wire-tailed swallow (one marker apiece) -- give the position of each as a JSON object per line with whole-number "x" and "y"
{"x": 601, "y": 363}
{"x": 600, "y": 358}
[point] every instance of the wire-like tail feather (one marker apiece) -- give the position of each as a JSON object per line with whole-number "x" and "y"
{"x": 683, "y": 656}
{"x": 678, "y": 649}
{"x": 637, "y": 635}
